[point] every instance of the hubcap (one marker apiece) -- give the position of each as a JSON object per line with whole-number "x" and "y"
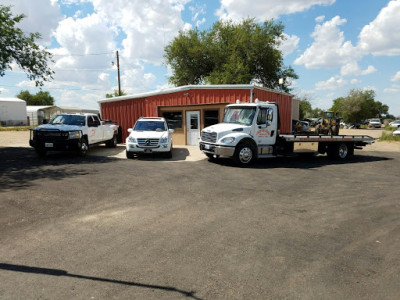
{"x": 343, "y": 151}
{"x": 245, "y": 155}
{"x": 84, "y": 147}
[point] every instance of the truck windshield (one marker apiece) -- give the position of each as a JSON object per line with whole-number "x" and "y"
{"x": 239, "y": 115}
{"x": 68, "y": 120}
{"x": 150, "y": 126}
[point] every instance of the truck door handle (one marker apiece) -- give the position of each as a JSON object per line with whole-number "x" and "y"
{"x": 272, "y": 133}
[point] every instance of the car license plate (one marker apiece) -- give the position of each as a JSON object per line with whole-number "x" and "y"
{"x": 147, "y": 151}
{"x": 208, "y": 147}
{"x": 48, "y": 145}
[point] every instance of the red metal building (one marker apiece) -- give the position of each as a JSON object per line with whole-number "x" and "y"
{"x": 192, "y": 107}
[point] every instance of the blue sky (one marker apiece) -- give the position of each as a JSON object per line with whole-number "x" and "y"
{"x": 333, "y": 45}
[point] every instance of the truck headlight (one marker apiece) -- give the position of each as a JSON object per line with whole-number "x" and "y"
{"x": 164, "y": 140}
{"x": 228, "y": 140}
{"x": 131, "y": 139}
{"x": 74, "y": 134}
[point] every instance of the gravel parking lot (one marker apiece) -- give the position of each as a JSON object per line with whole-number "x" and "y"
{"x": 102, "y": 227}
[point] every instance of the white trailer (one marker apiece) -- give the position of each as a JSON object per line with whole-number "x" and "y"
{"x": 12, "y": 112}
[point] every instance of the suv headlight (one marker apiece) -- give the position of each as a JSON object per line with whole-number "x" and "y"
{"x": 228, "y": 140}
{"x": 131, "y": 139}
{"x": 74, "y": 135}
{"x": 164, "y": 140}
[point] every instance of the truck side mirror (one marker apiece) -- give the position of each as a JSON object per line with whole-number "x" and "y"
{"x": 171, "y": 130}
{"x": 268, "y": 123}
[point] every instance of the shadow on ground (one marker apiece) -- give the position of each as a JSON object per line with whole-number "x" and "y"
{"x": 20, "y": 166}
{"x": 302, "y": 161}
{"x": 57, "y": 272}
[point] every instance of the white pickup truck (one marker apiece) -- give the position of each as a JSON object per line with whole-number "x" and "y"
{"x": 73, "y": 132}
{"x": 252, "y": 130}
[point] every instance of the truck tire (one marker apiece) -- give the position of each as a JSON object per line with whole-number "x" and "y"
{"x": 83, "y": 147}
{"x": 113, "y": 142}
{"x": 41, "y": 152}
{"x": 129, "y": 155}
{"x": 244, "y": 154}
{"x": 340, "y": 151}
{"x": 168, "y": 154}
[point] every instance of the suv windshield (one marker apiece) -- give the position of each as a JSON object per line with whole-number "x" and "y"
{"x": 150, "y": 126}
{"x": 68, "y": 120}
{"x": 239, "y": 115}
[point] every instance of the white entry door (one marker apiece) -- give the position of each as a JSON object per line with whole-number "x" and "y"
{"x": 193, "y": 127}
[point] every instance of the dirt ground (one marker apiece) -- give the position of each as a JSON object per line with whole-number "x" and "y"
{"x": 21, "y": 139}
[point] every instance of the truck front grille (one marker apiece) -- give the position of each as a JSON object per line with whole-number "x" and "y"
{"x": 51, "y": 135}
{"x": 210, "y": 137}
{"x": 148, "y": 142}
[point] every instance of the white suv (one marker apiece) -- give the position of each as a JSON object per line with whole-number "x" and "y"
{"x": 149, "y": 135}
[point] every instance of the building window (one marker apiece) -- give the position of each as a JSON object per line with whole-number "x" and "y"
{"x": 174, "y": 119}
{"x": 210, "y": 117}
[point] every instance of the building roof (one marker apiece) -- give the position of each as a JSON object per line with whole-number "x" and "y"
{"x": 11, "y": 100}
{"x": 32, "y": 108}
{"x": 190, "y": 87}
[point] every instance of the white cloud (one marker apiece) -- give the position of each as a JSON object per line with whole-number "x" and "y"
{"x": 332, "y": 83}
{"x": 264, "y": 9}
{"x": 320, "y": 19}
{"x": 353, "y": 68}
{"x": 329, "y": 50}
{"x": 289, "y": 44}
{"x": 148, "y": 25}
{"x": 355, "y": 81}
{"x": 396, "y": 77}
{"x": 41, "y": 16}
{"x": 382, "y": 36}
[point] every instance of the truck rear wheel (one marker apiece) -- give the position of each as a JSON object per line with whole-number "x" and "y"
{"x": 113, "y": 142}
{"x": 340, "y": 151}
{"x": 244, "y": 154}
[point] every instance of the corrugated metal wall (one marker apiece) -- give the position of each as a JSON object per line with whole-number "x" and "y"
{"x": 126, "y": 112}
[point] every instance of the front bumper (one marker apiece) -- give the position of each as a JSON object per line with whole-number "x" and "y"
{"x": 70, "y": 144}
{"x": 135, "y": 148}
{"x": 217, "y": 149}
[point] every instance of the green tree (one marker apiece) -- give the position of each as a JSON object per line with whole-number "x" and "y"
{"x": 358, "y": 106}
{"x": 115, "y": 94}
{"x": 41, "y": 98}
{"x": 15, "y": 46}
{"x": 229, "y": 53}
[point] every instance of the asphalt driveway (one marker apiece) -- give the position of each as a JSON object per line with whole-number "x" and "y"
{"x": 106, "y": 228}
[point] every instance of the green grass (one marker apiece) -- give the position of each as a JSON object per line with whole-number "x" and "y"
{"x": 388, "y": 136}
{"x": 15, "y": 128}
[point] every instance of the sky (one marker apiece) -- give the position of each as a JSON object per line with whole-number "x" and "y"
{"x": 333, "y": 45}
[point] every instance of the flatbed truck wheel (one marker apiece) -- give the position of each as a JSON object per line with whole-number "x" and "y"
{"x": 340, "y": 151}
{"x": 244, "y": 154}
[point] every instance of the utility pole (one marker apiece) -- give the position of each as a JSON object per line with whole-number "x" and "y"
{"x": 119, "y": 81}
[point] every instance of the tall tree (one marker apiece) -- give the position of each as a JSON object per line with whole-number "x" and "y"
{"x": 16, "y": 46}
{"x": 40, "y": 98}
{"x": 358, "y": 106}
{"x": 229, "y": 53}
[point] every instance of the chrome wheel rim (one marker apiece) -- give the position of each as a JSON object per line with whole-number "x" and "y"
{"x": 245, "y": 155}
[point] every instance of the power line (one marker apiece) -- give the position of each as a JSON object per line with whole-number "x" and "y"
{"x": 89, "y": 54}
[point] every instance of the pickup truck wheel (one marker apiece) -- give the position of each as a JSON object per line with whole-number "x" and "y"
{"x": 113, "y": 142}
{"x": 244, "y": 154}
{"x": 83, "y": 148}
{"x": 41, "y": 152}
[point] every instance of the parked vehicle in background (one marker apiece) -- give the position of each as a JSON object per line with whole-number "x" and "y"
{"x": 374, "y": 123}
{"x": 74, "y": 132}
{"x": 300, "y": 126}
{"x": 149, "y": 135}
{"x": 395, "y": 124}
{"x": 397, "y": 132}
